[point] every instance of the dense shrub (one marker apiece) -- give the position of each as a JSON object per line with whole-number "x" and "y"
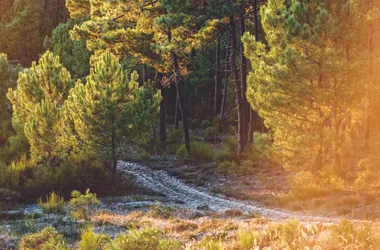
{"x": 82, "y": 206}
{"x": 91, "y": 241}
{"x": 227, "y": 167}
{"x": 200, "y": 152}
{"x": 33, "y": 181}
{"x": 211, "y": 134}
{"x": 69, "y": 175}
{"x": 144, "y": 156}
{"x": 173, "y": 139}
{"x": 224, "y": 155}
{"x": 12, "y": 175}
{"x": 306, "y": 185}
{"x": 47, "y": 239}
{"x": 52, "y": 204}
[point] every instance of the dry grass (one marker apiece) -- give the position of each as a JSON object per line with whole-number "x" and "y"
{"x": 235, "y": 232}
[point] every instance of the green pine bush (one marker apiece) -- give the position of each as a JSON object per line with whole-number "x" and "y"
{"x": 82, "y": 206}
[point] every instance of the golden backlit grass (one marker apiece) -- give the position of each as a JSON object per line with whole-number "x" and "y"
{"x": 240, "y": 232}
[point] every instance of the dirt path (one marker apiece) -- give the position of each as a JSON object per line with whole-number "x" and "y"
{"x": 178, "y": 194}
{"x": 183, "y": 195}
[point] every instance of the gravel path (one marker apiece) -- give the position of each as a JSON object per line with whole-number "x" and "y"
{"x": 178, "y": 194}
{"x": 183, "y": 195}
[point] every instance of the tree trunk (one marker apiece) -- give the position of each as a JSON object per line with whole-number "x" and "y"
{"x": 319, "y": 157}
{"x": 238, "y": 90}
{"x": 113, "y": 153}
{"x": 217, "y": 80}
{"x": 176, "y": 115}
{"x": 226, "y": 75}
{"x": 367, "y": 119}
{"x": 243, "y": 77}
{"x": 163, "y": 120}
{"x": 178, "y": 83}
{"x": 251, "y": 111}
{"x": 144, "y": 75}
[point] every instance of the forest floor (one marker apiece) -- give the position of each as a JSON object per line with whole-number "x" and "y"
{"x": 270, "y": 188}
{"x": 190, "y": 202}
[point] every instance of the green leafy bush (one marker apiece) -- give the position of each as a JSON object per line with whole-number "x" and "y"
{"x": 82, "y": 206}
{"x": 144, "y": 239}
{"x": 211, "y": 134}
{"x": 201, "y": 152}
{"x": 228, "y": 151}
{"x": 47, "y": 239}
{"x": 263, "y": 145}
{"x": 227, "y": 167}
{"x": 53, "y": 204}
{"x": 91, "y": 241}
{"x": 10, "y": 175}
{"x": 224, "y": 155}
{"x": 144, "y": 156}
{"x": 173, "y": 139}
{"x": 78, "y": 174}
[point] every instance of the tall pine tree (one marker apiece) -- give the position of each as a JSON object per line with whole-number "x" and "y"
{"x": 301, "y": 84}
{"x": 109, "y": 111}
{"x": 37, "y": 107}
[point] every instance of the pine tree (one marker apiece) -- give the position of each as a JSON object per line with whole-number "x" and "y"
{"x": 161, "y": 34}
{"x": 109, "y": 111}
{"x": 8, "y": 76}
{"x": 301, "y": 85}
{"x": 73, "y": 54}
{"x": 12, "y": 143}
{"x": 37, "y": 105}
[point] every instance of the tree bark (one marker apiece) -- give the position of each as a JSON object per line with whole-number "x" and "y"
{"x": 176, "y": 115}
{"x": 163, "y": 120}
{"x": 113, "y": 153}
{"x": 144, "y": 75}
{"x": 319, "y": 157}
{"x": 367, "y": 119}
{"x": 251, "y": 111}
{"x": 217, "y": 80}
{"x": 243, "y": 77}
{"x": 226, "y": 76}
{"x": 238, "y": 89}
{"x": 178, "y": 83}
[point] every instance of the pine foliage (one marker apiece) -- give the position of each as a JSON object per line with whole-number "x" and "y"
{"x": 109, "y": 110}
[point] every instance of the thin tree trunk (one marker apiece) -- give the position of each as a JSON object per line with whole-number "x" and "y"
{"x": 176, "y": 115}
{"x": 178, "y": 82}
{"x": 154, "y": 140}
{"x": 319, "y": 157}
{"x": 163, "y": 119}
{"x": 217, "y": 80}
{"x": 251, "y": 111}
{"x": 367, "y": 119}
{"x": 226, "y": 76}
{"x": 243, "y": 77}
{"x": 144, "y": 69}
{"x": 113, "y": 153}
{"x": 238, "y": 90}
